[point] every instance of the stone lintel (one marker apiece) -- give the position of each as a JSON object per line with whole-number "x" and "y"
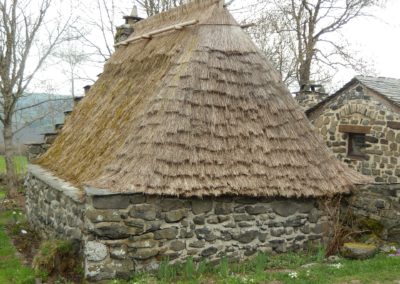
{"x": 58, "y": 184}
{"x": 360, "y": 129}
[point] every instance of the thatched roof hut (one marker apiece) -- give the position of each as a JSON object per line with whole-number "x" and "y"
{"x": 194, "y": 111}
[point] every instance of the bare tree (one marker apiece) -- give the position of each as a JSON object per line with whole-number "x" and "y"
{"x": 72, "y": 57}
{"x": 152, "y": 7}
{"x": 303, "y": 32}
{"x": 21, "y": 22}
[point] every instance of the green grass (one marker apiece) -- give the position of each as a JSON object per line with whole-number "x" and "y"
{"x": 278, "y": 269}
{"x": 20, "y": 163}
{"x": 11, "y": 270}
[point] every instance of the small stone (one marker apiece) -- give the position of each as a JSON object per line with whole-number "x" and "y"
{"x": 223, "y": 208}
{"x": 284, "y": 208}
{"x": 169, "y": 234}
{"x": 170, "y": 204}
{"x": 277, "y": 232}
{"x": 143, "y": 211}
{"x": 175, "y": 215}
{"x": 257, "y": 209}
{"x": 201, "y": 206}
{"x": 143, "y": 244}
{"x": 118, "y": 253}
{"x": 245, "y": 224}
{"x": 137, "y": 223}
{"x": 110, "y": 202}
{"x": 247, "y": 237}
{"x": 209, "y": 251}
{"x": 199, "y": 220}
{"x": 95, "y": 251}
{"x": 243, "y": 217}
{"x": 96, "y": 216}
{"x": 205, "y": 234}
{"x": 112, "y": 231}
{"x": 177, "y": 245}
{"x": 145, "y": 253}
{"x": 222, "y": 218}
{"x": 213, "y": 220}
{"x": 358, "y": 250}
{"x": 197, "y": 244}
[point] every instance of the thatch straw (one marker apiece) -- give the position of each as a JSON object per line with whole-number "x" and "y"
{"x": 197, "y": 112}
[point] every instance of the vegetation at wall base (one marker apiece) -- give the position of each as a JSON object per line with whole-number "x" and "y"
{"x": 307, "y": 267}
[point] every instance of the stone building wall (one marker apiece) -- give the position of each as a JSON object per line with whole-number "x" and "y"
{"x": 55, "y": 209}
{"x": 377, "y": 207}
{"x": 128, "y": 233}
{"x": 308, "y": 99}
{"x": 382, "y": 152}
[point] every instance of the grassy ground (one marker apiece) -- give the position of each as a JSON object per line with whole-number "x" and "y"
{"x": 11, "y": 269}
{"x": 19, "y": 161}
{"x": 285, "y": 268}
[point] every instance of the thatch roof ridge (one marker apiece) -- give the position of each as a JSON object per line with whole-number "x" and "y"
{"x": 199, "y": 10}
{"x": 195, "y": 112}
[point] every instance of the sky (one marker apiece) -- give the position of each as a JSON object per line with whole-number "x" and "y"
{"x": 376, "y": 39}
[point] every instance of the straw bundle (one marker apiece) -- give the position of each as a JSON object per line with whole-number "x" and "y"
{"x": 195, "y": 112}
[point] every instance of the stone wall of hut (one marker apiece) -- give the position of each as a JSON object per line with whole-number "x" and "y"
{"x": 55, "y": 208}
{"x": 122, "y": 234}
{"x": 127, "y": 233}
{"x": 376, "y": 209}
{"x": 382, "y": 146}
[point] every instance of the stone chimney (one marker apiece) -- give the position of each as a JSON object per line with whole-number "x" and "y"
{"x": 86, "y": 89}
{"x": 310, "y": 95}
{"x": 124, "y": 31}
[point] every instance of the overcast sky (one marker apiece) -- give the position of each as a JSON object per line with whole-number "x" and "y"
{"x": 376, "y": 39}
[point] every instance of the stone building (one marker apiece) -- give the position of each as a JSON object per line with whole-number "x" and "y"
{"x": 188, "y": 145}
{"x": 361, "y": 124}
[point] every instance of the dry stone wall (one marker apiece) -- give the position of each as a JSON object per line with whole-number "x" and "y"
{"x": 128, "y": 233}
{"x": 123, "y": 234}
{"x": 54, "y": 208}
{"x": 382, "y": 152}
{"x": 376, "y": 207}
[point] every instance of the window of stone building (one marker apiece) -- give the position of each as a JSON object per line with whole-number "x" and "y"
{"x": 356, "y": 145}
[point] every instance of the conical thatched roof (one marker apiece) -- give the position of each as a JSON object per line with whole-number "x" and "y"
{"x": 194, "y": 112}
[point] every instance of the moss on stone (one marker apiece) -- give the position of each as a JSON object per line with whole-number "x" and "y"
{"x": 373, "y": 225}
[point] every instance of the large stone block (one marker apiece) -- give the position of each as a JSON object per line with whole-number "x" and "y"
{"x": 111, "y": 231}
{"x": 95, "y": 251}
{"x": 144, "y": 211}
{"x": 284, "y": 208}
{"x": 110, "y": 202}
{"x": 97, "y": 216}
{"x": 175, "y": 215}
{"x": 201, "y": 206}
{"x": 168, "y": 233}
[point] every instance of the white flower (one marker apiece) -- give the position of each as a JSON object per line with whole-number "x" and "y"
{"x": 337, "y": 265}
{"x": 14, "y": 213}
{"x": 293, "y": 275}
{"x": 20, "y": 213}
{"x": 308, "y": 273}
{"x": 393, "y": 248}
{"x": 24, "y": 232}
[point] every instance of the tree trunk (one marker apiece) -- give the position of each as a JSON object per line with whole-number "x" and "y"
{"x": 8, "y": 155}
